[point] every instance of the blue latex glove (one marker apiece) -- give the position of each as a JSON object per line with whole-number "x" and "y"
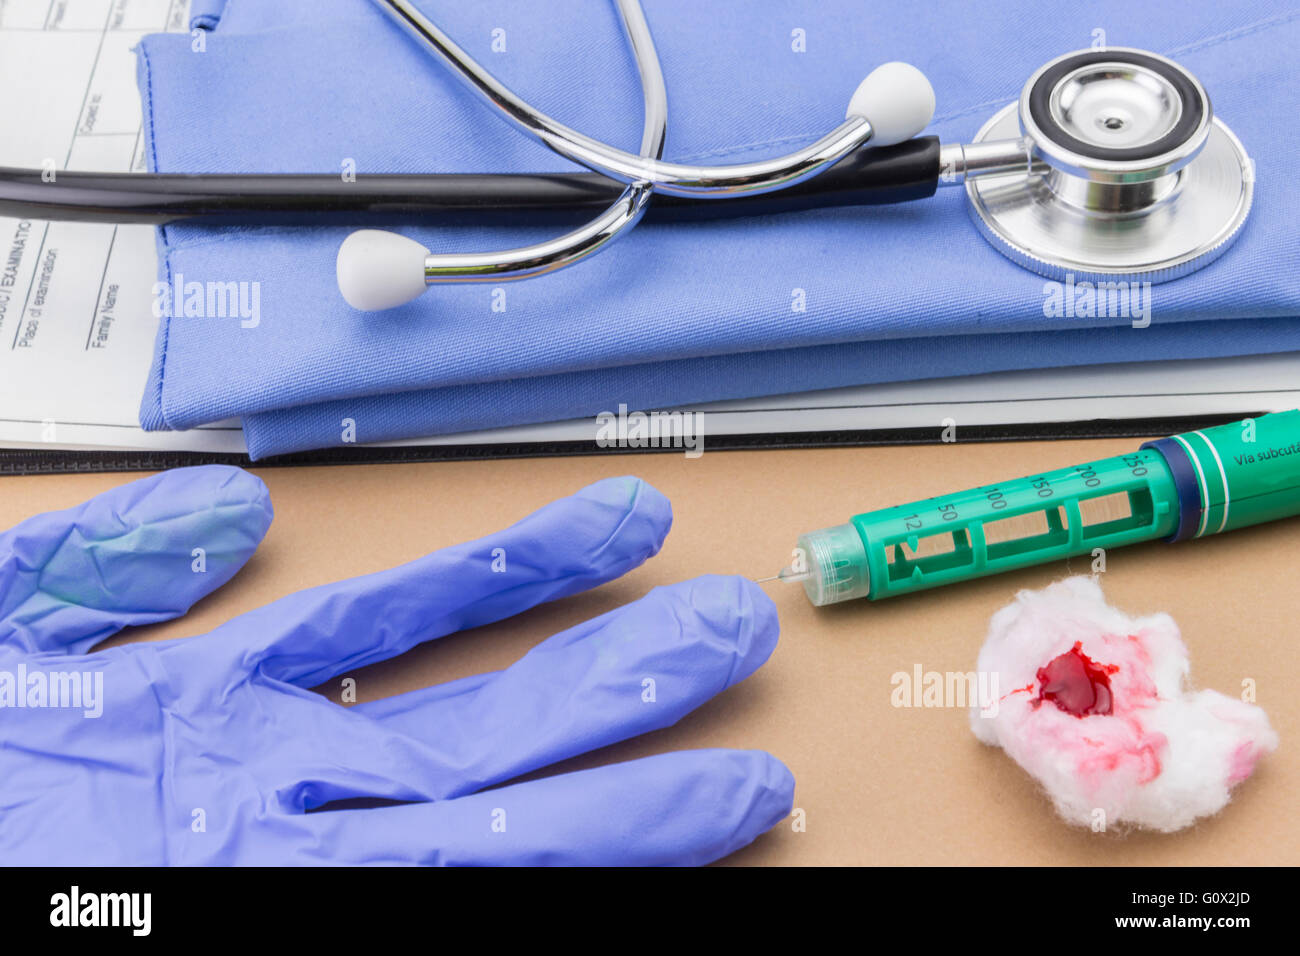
{"x": 210, "y": 750}
{"x": 675, "y": 312}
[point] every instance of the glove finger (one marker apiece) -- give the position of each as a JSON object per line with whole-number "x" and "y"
{"x": 676, "y": 809}
{"x": 570, "y": 545}
{"x": 636, "y": 669}
{"x": 139, "y": 553}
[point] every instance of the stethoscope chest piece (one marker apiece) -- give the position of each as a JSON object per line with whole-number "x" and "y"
{"x": 1131, "y": 175}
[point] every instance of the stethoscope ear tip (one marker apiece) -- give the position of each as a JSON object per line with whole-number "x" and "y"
{"x": 896, "y": 99}
{"x": 380, "y": 270}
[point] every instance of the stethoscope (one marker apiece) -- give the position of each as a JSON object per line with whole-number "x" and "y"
{"x": 1111, "y": 166}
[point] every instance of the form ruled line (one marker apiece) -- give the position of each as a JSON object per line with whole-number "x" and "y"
{"x": 99, "y": 297}
{"x": 31, "y": 286}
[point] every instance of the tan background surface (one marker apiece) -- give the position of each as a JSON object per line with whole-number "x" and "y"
{"x": 878, "y": 784}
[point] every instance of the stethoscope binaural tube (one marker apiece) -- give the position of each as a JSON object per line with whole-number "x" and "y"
{"x": 892, "y": 104}
{"x": 378, "y": 270}
{"x": 382, "y": 270}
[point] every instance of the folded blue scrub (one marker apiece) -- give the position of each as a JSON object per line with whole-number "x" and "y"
{"x": 674, "y": 313}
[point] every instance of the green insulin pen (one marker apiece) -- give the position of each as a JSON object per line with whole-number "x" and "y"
{"x": 1188, "y": 486}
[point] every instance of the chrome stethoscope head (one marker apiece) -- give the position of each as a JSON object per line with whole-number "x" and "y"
{"x": 1129, "y": 174}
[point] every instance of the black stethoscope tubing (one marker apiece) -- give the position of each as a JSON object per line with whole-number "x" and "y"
{"x": 870, "y": 176}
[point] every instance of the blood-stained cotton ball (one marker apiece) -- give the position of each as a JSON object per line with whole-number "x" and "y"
{"x": 1095, "y": 706}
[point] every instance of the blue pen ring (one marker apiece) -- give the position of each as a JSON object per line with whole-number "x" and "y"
{"x": 1186, "y": 486}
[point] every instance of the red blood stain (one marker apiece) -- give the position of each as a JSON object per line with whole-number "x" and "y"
{"x": 1027, "y": 689}
{"x": 1076, "y": 683}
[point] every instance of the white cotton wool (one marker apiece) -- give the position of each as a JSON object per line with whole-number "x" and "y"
{"x": 1093, "y": 704}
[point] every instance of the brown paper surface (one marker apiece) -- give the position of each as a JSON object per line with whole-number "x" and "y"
{"x": 877, "y": 784}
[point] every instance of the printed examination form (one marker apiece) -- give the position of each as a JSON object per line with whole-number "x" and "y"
{"x": 76, "y": 318}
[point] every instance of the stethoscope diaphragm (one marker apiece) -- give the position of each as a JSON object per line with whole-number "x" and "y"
{"x": 1132, "y": 175}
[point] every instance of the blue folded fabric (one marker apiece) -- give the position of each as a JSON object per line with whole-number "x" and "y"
{"x": 673, "y": 313}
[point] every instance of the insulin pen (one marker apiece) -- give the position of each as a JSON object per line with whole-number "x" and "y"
{"x": 1191, "y": 485}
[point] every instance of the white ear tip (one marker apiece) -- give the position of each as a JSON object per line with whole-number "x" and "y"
{"x": 380, "y": 270}
{"x": 897, "y": 100}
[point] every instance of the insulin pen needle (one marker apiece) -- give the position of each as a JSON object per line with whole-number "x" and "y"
{"x": 785, "y": 574}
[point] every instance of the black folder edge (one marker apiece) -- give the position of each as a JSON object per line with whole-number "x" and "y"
{"x": 38, "y": 461}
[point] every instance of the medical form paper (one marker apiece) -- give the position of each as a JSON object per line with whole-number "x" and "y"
{"x": 76, "y": 318}
{"x": 76, "y": 308}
